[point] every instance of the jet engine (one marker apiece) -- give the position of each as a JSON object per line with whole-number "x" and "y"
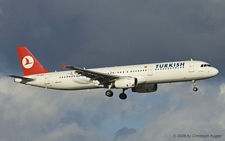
{"x": 147, "y": 88}
{"x": 126, "y": 82}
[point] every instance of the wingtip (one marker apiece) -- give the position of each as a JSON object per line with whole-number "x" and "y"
{"x": 9, "y": 75}
{"x": 63, "y": 66}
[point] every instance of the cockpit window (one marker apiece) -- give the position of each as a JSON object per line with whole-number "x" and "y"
{"x": 205, "y": 65}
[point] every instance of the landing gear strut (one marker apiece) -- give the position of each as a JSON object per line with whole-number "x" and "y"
{"x": 194, "y": 85}
{"x": 109, "y": 92}
{"x": 123, "y": 96}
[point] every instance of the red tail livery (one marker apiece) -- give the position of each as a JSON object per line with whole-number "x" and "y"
{"x": 30, "y": 65}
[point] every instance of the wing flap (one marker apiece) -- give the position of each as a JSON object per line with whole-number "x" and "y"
{"x": 93, "y": 75}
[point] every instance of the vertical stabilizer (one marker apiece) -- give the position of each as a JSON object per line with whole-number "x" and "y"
{"x": 30, "y": 65}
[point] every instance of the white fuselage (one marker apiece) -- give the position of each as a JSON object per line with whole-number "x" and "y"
{"x": 167, "y": 72}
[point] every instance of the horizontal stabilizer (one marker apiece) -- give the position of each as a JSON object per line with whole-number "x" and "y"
{"x": 21, "y": 77}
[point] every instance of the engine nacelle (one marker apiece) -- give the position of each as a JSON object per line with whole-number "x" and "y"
{"x": 147, "y": 88}
{"x": 127, "y": 82}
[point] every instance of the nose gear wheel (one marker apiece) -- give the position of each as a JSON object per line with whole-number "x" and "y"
{"x": 194, "y": 85}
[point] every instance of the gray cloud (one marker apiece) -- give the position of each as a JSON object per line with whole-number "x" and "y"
{"x": 124, "y": 132}
{"x": 28, "y": 113}
{"x": 182, "y": 112}
{"x": 92, "y": 34}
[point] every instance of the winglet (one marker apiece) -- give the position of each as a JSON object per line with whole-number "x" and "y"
{"x": 63, "y": 66}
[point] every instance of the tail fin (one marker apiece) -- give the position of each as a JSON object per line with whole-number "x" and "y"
{"x": 30, "y": 65}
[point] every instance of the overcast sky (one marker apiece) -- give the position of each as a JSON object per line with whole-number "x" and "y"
{"x": 100, "y": 33}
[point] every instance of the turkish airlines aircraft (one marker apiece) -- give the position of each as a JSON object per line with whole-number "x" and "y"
{"x": 141, "y": 78}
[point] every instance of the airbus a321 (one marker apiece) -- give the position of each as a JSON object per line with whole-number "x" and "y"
{"x": 142, "y": 78}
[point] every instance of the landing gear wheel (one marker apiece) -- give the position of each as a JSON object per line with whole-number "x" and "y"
{"x": 194, "y": 85}
{"x": 109, "y": 93}
{"x": 195, "y": 89}
{"x": 123, "y": 96}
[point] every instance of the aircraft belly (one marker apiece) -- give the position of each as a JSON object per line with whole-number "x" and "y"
{"x": 77, "y": 84}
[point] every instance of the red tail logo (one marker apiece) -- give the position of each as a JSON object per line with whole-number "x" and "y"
{"x": 30, "y": 64}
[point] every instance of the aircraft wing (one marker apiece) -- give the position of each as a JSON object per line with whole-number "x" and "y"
{"x": 94, "y": 75}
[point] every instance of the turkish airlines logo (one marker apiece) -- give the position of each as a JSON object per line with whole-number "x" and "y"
{"x": 28, "y": 62}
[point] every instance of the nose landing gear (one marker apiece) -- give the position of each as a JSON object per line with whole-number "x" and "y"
{"x": 194, "y": 85}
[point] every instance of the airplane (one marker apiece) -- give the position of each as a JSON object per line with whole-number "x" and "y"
{"x": 142, "y": 78}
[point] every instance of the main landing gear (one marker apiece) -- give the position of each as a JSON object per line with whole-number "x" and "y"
{"x": 122, "y": 96}
{"x": 109, "y": 93}
{"x": 194, "y": 85}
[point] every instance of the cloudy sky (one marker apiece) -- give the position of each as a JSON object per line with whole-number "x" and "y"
{"x": 99, "y": 33}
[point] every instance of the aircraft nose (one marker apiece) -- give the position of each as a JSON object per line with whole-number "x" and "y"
{"x": 215, "y": 71}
